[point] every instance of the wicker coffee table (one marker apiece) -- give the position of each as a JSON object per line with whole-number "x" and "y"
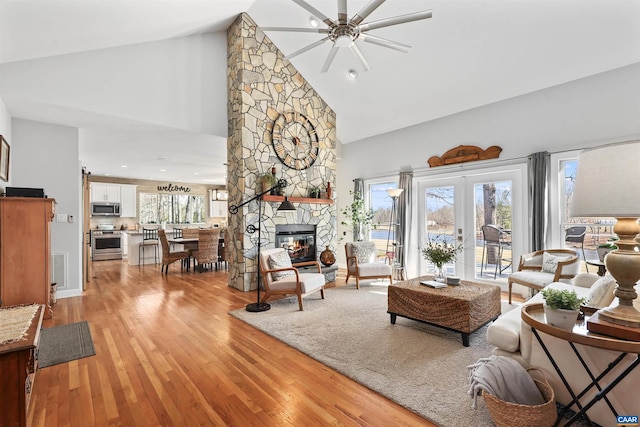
{"x": 464, "y": 308}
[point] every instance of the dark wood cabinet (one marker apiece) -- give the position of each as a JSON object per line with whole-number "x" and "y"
{"x": 25, "y": 251}
{"x": 18, "y": 366}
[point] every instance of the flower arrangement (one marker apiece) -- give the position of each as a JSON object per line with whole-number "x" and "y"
{"x": 440, "y": 252}
{"x": 357, "y": 215}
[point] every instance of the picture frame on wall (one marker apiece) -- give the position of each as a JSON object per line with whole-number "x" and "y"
{"x": 4, "y": 159}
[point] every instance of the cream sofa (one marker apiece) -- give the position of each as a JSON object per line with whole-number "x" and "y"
{"x": 513, "y": 338}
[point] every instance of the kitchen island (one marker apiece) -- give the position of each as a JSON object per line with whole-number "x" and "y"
{"x": 133, "y": 255}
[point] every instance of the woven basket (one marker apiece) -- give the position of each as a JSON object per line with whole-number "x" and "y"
{"x": 508, "y": 414}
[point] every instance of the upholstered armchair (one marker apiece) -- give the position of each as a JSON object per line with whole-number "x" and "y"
{"x": 362, "y": 263}
{"x": 280, "y": 276}
{"x": 537, "y": 269}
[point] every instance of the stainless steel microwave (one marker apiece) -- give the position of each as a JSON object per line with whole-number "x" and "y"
{"x": 105, "y": 209}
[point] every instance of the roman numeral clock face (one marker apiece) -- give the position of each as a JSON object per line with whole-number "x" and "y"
{"x": 295, "y": 140}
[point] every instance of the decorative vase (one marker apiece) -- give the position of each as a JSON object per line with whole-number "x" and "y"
{"x": 440, "y": 274}
{"x": 358, "y": 232}
{"x": 329, "y": 190}
{"x": 561, "y": 318}
{"x": 327, "y": 257}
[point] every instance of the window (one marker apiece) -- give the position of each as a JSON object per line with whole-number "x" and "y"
{"x": 381, "y": 204}
{"x": 171, "y": 209}
{"x": 598, "y": 230}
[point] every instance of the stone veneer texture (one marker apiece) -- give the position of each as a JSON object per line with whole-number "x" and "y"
{"x": 262, "y": 84}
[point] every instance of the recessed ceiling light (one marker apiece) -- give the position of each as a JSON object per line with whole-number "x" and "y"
{"x": 163, "y": 170}
{"x": 107, "y": 174}
{"x": 123, "y": 166}
{"x": 352, "y": 73}
{"x": 196, "y": 173}
{"x": 314, "y": 22}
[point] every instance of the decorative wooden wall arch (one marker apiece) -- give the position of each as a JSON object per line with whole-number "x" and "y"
{"x": 463, "y": 154}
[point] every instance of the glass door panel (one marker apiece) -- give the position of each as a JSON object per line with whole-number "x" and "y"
{"x": 439, "y": 222}
{"x": 493, "y": 207}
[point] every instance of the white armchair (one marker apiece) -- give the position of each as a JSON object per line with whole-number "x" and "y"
{"x": 537, "y": 269}
{"x": 362, "y": 263}
{"x": 280, "y": 277}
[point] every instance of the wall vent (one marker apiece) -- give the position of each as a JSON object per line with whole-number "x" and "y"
{"x": 59, "y": 269}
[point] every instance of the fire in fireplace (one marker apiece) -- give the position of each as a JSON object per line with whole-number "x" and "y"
{"x": 298, "y": 239}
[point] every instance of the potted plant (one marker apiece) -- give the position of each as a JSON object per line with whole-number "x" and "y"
{"x": 605, "y": 248}
{"x": 265, "y": 181}
{"x": 439, "y": 253}
{"x": 561, "y": 307}
{"x": 357, "y": 217}
{"x": 314, "y": 192}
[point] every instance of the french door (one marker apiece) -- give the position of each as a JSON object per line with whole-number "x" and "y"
{"x": 452, "y": 209}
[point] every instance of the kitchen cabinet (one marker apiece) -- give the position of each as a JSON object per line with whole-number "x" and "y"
{"x": 218, "y": 208}
{"x": 128, "y": 199}
{"x": 103, "y": 192}
{"x": 25, "y": 251}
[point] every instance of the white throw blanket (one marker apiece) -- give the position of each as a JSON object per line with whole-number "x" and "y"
{"x": 504, "y": 378}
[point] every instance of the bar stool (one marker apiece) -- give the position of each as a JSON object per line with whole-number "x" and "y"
{"x": 149, "y": 239}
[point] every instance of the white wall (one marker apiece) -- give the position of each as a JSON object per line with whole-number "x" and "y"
{"x": 583, "y": 113}
{"x": 178, "y": 83}
{"x": 5, "y": 131}
{"x": 46, "y": 156}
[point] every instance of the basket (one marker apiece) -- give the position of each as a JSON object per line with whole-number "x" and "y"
{"x": 508, "y": 414}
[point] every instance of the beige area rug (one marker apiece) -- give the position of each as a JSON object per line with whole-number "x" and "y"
{"x": 421, "y": 367}
{"x": 15, "y": 321}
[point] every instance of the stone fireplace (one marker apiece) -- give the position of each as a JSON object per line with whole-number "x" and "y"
{"x": 262, "y": 85}
{"x": 298, "y": 239}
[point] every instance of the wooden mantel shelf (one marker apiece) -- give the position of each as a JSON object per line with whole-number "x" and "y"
{"x": 270, "y": 198}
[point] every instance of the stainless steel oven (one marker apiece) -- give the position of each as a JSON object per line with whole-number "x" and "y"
{"x": 106, "y": 244}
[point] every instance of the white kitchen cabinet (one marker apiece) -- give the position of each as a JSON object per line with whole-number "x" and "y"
{"x": 218, "y": 208}
{"x": 128, "y": 201}
{"x": 103, "y": 192}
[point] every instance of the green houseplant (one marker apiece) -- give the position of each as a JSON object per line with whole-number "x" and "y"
{"x": 265, "y": 181}
{"x": 606, "y": 247}
{"x": 357, "y": 216}
{"x": 561, "y": 307}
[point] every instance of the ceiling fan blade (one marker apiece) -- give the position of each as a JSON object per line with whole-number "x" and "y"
{"x": 315, "y": 12}
{"x": 329, "y": 60}
{"x": 365, "y": 11}
{"x": 358, "y": 53}
{"x": 342, "y": 12}
{"x": 384, "y": 42}
{"x": 298, "y": 30}
{"x": 306, "y": 48}
{"x": 402, "y": 19}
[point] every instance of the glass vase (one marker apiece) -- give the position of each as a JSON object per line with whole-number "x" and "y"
{"x": 440, "y": 274}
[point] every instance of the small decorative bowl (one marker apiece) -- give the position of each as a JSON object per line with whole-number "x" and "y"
{"x": 453, "y": 280}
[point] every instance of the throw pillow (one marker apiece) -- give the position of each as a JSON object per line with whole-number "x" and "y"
{"x": 601, "y": 294}
{"x": 280, "y": 260}
{"x": 550, "y": 262}
{"x": 364, "y": 252}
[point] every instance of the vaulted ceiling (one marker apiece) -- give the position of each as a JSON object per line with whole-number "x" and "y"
{"x": 471, "y": 53}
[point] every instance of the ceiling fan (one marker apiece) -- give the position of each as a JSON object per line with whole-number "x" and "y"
{"x": 345, "y": 32}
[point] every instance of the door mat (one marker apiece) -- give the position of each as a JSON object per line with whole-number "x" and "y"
{"x": 60, "y": 344}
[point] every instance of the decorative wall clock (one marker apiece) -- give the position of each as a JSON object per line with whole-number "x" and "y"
{"x": 295, "y": 140}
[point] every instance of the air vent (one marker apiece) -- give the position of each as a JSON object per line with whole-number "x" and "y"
{"x": 59, "y": 269}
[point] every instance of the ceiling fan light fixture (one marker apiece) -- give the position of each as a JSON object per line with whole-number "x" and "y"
{"x": 352, "y": 73}
{"x": 314, "y": 22}
{"x": 343, "y": 41}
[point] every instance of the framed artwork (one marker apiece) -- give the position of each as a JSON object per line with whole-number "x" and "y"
{"x": 4, "y": 159}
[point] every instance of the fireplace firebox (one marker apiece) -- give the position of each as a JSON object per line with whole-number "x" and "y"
{"x": 298, "y": 239}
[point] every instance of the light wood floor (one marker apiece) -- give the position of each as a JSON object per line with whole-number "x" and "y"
{"x": 169, "y": 354}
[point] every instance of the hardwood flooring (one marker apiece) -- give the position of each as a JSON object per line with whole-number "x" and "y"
{"x": 169, "y": 354}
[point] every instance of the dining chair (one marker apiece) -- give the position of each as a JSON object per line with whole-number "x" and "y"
{"x": 189, "y": 233}
{"x": 496, "y": 238}
{"x": 169, "y": 257}
{"x": 207, "y": 253}
{"x": 149, "y": 240}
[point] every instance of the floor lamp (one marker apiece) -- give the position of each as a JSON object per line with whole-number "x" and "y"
{"x": 394, "y": 193}
{"x": 613, "y": 191}
{"x": 286, "y": 205}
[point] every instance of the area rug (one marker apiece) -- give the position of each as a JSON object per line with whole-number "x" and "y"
{"x": 60, "y": 344}
{"x": 421, "y": 367}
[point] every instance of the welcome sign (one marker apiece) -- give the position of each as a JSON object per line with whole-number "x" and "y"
{"x": 171, "y": 188}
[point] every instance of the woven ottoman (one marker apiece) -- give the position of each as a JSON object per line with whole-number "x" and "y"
{"x": 464, "y": 308}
